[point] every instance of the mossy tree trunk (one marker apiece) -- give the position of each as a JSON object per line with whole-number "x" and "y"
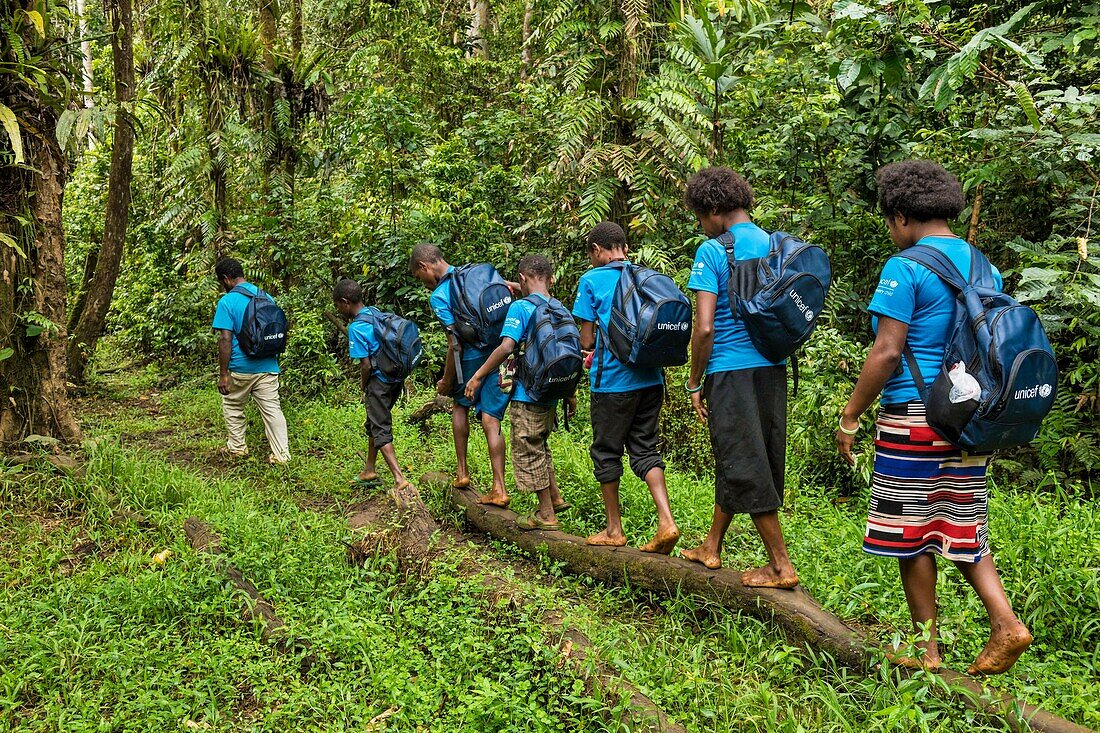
{"x": 89, "y": 321}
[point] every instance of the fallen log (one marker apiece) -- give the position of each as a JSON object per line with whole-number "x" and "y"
{"x": 256, "y": 609}
{"x": 438, "y": 405}
{"x": 795, "y": 612}
{"x": 643, "y": 715}
{"x": 398, "y": 521}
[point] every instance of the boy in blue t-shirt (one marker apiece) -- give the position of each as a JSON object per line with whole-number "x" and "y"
{"x": 532, "y": 422}
{"x": 380, "y": 393}
{"x": 241, "y": 376}
{"x": 743, "y": 398}
{"x": 626, "y": 402}
{"x": 489, "y": 402}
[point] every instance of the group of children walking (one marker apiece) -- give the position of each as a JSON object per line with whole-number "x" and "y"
{"x": 928, "y": 494}
{"x": 747, "y": 391}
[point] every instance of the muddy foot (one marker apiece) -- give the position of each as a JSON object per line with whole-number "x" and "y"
{"x": 927, "y": 661}
{"x": 766, "y": 577}
{"x": 706, "y": 558}
{"x": 662, "y": 542}
{"x": 603, "y": 539}
{"x": 495, "y": 498}
{"x": 1004, "y": 648}
{"x": 461, "y": 482}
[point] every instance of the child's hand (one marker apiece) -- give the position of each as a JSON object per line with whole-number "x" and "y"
{"x": 444, "y": 388}
{"x": 588, "y": 358}
{"x": 471, "y": 387}
{"x": 570, "y": 406}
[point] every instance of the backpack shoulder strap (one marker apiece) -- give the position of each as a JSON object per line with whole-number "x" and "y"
{"x": 241, "y": 290}
{"x": 939, "y": 263}
{"x": 981, "y": 269}
{"x": 728, "y": 242}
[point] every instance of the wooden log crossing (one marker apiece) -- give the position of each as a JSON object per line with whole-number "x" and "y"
{"x": 397, "y": 521}
{"x": 255, "y": 607}
{"x": 795, "y": 612}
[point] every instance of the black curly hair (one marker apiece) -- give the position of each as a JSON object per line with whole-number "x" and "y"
{"x": 536, "y": 266}
{"x": 718, "y": 190}
{"x": 606, "y": 235}
{"x": 228, "y": 267}
{"x": 921, "y": 190}
{"x": 349, "y": 290}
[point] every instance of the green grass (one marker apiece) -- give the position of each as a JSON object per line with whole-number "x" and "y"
{"x": 125, "y": 644}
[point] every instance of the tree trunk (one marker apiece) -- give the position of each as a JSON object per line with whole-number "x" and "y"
{"x": 477, "y": 34}
{"x": 86, "y": 61}
{"x": 633, "y": 14}
{"x": 525, "y": 53}
{"x": 295, "y": 29}
{"x": 32, "y": 379}
{"x": 214, "y": 122}
{"x": 271, "y": 132}
{"x": 100, "y": 290}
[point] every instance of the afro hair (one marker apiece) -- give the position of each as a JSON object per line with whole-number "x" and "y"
{"x": 718, "y": 190}
{"x": 921, "y": 190}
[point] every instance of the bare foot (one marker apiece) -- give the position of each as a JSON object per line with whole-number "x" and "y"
{"x": 703, "y": 556}
{"x": 606, "y": 539}
{"x": 366, "y": 475}
{"x": 662, "y": 542}
{"x": 768, "y": 577}
{"x": 929, "y": 661}
{"x": 495, "y": 498}
{"x": 1004, "y": 648}
{"x": 461, "y": 482}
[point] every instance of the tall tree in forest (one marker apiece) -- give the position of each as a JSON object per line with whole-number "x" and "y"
{"x": 87, "y": 324}
{"x": 36, "y": 87}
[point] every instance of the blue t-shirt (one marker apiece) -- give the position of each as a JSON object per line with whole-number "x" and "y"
{"x": 732, "y": 348}
{"x": 229, "y": 316}
{"x": 363, "y": 344}
{"x": 913, "y": 294}
{"x": 440, "y": 301}
{"x": 595, "y": 293}
{"x": 515, "y": 328}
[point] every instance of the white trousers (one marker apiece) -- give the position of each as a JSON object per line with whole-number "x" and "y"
{"x": 264, "y": 390}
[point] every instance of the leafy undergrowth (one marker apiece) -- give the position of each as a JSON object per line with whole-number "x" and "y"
{"x": 118, "y": 642}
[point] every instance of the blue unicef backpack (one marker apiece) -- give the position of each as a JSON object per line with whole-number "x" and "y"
{"x": 263, "y": 328}
{"x": 479, "y": 301}
{"x": 551, "y": 364}
{"x": 1003, "y": 346}
{"x": 650, "y": 323}
{"x": 779, "y": 296}
{"x": 399, "y": 347}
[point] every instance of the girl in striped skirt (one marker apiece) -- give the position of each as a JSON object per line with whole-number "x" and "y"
{"x": 928, "y": 497}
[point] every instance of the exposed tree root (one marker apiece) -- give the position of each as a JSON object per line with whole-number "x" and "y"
{"x": 400, "y": 523}
{"x": 256, "y": 608}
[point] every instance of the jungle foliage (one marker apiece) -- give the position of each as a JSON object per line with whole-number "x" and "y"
{"x": 316, "y": 140}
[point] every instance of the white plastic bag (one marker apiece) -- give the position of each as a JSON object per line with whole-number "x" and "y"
{"x": 963, "y": 386}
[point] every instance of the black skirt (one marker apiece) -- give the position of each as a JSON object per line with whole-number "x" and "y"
{"x": 747, "y": 417}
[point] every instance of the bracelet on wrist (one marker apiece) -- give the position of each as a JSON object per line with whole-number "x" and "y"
{"x": 845, "y": 430}
{"x": 692, "y": 390}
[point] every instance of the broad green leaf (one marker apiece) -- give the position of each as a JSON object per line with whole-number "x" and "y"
{"x": 36, "y": 20}
{"x": 33, "y": 330}
{"x": 7, "y": 118}
{"x": 8, "y": 240}
{"x": 65, "y": 127}
{"x": 6, "y": 353}
{"x": 1027, "y": 104}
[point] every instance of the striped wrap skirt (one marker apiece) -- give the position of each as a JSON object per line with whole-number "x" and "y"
{"x": 927, "y": 495}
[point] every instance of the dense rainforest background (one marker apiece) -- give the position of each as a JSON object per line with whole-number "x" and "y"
{"x": 143, "y": 139}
